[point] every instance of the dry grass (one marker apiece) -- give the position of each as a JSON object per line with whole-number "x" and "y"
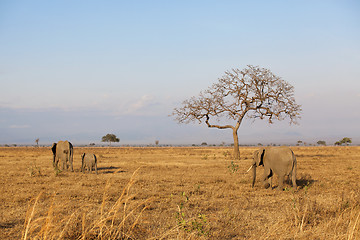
{"x": 177, "y": 193}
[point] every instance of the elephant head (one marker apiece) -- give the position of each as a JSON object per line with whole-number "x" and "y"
{"x": 258, "y": 160}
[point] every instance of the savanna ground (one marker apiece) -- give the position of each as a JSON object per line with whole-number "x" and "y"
{"x": 177, "y": 193}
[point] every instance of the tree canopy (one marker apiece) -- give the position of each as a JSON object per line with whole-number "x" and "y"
{"x": 254, "y": 93}
{"x": 110, "y": 138}
{"x": 345, "y": 141}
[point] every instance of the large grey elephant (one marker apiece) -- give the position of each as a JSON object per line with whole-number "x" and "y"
{"x": 278, "y": 160}
{"x": 63, "y": 151}
{"x": 89, "y": 161}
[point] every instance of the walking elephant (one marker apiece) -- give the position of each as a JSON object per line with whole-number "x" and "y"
{"x": 63, "y": 151}
{"x": 88, "y": 161}
{"x": 278, "y": 160}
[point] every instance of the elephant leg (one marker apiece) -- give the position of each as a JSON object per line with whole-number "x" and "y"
{"x": 293, "y": 179}
{"x": 71, "y": 166}
{"x": 266, "y": 176}
{"x": 56, "y": 163}
{"x": 281, "y": 182}
{"x": 82, "y": 166}
{"x": 71, "y": 163}
{"x": 270, "y": 179}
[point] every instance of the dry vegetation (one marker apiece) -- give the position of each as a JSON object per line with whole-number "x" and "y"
{"x": 177, "y": 193}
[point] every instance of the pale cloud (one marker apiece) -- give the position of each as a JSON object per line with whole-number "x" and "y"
{"x": 141, "y": 104}
{"x": 19, "y": 126}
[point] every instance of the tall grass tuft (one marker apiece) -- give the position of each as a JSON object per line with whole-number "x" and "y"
{"x": 325, "y": 220}
{"x": 119, "y": 220}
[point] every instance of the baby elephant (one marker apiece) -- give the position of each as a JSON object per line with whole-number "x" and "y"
{"x": 89, "y": 161}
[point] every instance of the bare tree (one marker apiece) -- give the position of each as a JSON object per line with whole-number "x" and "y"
{"x": 254, "y": 92}
{"x": 37, "y": 142}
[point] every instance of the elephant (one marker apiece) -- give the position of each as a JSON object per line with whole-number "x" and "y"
{"x": 89, "y": 161}
{"x": 278, "y": 160}
{"x": 63, "y": 151}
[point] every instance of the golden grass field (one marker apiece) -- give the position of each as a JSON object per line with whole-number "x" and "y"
{"x": 177, "y": 193}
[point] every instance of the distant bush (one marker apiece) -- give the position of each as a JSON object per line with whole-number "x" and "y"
{"x": 345, "y": 141}
{"x": 320, "y": 142}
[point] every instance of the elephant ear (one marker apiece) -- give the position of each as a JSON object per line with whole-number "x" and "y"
{"x": 53, "y": 148}
{"x": 261, "y": 156}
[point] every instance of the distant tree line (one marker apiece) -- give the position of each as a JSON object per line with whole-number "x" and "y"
{"x": 113, "y": 138}
{"x": 345, "y": 141}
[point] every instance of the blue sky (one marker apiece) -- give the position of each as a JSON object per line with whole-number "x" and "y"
{"x": 78, "y": 70}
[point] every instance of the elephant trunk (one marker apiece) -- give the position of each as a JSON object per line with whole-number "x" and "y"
{"x": 54, "y": 165}
{"x": 254, "y": 174}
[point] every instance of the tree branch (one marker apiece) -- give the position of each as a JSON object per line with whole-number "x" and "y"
{"x": 216, "y": 126}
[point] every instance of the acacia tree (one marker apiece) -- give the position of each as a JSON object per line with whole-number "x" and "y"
{"x": 254, "y": 92}
{"x": 345, "y": 140}
{"x": 110, "y": 138}
{"x": 321, "y": 142}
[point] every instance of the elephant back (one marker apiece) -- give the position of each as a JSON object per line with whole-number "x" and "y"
{"x": 90, "y": 158}
{"x": 281, "y": 158}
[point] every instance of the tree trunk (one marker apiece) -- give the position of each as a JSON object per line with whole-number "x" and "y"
{"x": 236, "y": 145}
{"x": 235, "y": 135}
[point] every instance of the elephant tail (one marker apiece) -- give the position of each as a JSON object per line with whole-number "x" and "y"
{"x": 294, "y": 163}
